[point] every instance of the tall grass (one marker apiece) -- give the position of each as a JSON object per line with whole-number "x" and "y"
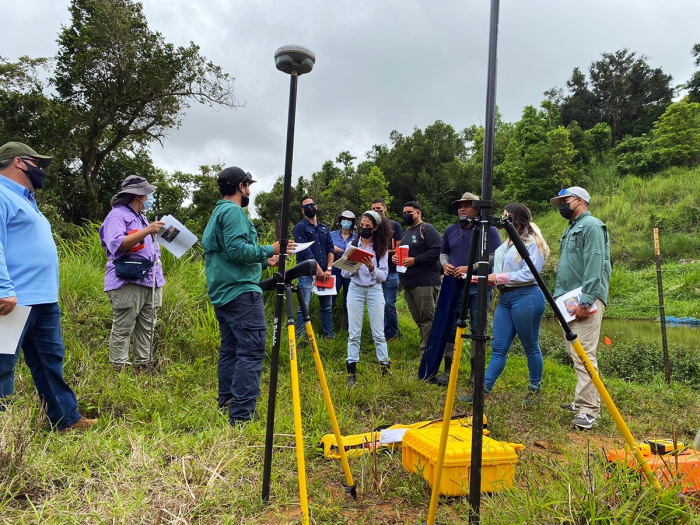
{"x": 163, "y": 453}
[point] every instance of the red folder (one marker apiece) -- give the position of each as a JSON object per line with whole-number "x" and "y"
{"x": 402, "y": 252}
{"x": 358, "y": 254}
{"x": 330, "y": 283}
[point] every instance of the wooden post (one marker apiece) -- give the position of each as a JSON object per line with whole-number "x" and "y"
{"x": 657, "y": 253}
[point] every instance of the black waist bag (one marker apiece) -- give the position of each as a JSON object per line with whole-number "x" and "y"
{"x": 132, "y": 269}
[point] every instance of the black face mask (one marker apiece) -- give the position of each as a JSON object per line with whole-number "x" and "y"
{"x": 408, "y": 219}
{"x": 310, "y": 212}
{"x": 366, "y": 233}
{"x": 566, "y": 211}
{"x": 36, "y": 175}
{"x": 245, "y": 200}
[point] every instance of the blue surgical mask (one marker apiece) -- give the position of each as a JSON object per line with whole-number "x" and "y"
{"x": 149, "y": 202}
{"x": 346, "y": 225}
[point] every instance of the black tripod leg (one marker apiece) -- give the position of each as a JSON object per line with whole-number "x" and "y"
{"x": 471, "y": 260}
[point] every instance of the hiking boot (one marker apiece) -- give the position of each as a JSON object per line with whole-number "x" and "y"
{"x": 82, "y": 424}
{"x": 352, "y": 374}
{"x": 224, "y": 406}
{"x": 469, "y": 398}
{"x": 121, "y": 367}
{"x": 583, "y": 421}
{"x": 386, "y": 368}
{"x": 444, "y": 379}
{"x": 532, "y": 398}
{"x": 570, "y": 407}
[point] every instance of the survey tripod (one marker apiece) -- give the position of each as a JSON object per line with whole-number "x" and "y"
{"x": 480, "y": 243}
{"x": 306, "y": 268}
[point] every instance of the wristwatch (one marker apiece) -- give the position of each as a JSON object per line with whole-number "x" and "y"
{"x": 329, "y": 268}
{"x": 584, "y": 304}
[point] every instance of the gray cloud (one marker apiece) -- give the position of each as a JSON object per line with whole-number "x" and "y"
{"x": 381, "y": 65}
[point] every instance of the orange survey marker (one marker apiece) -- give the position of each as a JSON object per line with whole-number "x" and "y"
{"x": 682, "y": 466}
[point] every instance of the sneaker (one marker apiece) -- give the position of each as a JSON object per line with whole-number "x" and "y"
{"x": 583, "y": 421}
{"x": 82, "y": 424}
{"x": 570, "y": 407}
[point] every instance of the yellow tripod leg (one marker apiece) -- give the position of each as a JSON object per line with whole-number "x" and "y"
{"x": 299, "y": 439}
{"x": 331, "y": 412}
{"x": 446, "y": 420}
{"x": 615, "y": 413}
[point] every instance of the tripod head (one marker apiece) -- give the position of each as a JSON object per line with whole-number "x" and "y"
{"x": 307, "y": 267}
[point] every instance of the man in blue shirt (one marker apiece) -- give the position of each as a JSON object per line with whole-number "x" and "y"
{"x": 307, "y": 230}
{"x": 29, "y": 277}
{"x": 454, "y": 256}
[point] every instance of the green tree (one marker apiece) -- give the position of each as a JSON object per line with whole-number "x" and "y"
{"x": 693, "y": 85}
{"x": 373, "y": 185}
{"x": 677, "y": 134}
{"x": 125, "y": 87}
{"x": 600, "y": 137}
{"x": 637, "y": 156}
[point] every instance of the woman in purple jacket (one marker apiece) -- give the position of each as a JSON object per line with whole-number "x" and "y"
{"x": 133, "y": 257}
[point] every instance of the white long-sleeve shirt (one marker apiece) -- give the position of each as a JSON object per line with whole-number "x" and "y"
{"x": 363, "y": 276}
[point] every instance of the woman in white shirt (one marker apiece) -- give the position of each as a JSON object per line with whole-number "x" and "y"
{"x": 520, "y": 304}
{"x": 365, "y": 288}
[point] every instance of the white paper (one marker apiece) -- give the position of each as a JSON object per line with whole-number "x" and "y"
{"x": 345, "y": 264}
{"x": 325, "y": 291}
{"x": 300, "y": 247}
{"x": 174, "y": 237}
{"x": 392, "y": 435}
{"x": 11, "y": 326}
{"x": 400, "y": 269}
{"x": 568, "y": 301}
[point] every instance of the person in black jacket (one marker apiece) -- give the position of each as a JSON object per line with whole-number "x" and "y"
{"x": 421, "y": 280}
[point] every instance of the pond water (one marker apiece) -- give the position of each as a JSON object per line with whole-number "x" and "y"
{"x": 686, "y": 334}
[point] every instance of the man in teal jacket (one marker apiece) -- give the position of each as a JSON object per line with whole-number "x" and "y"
{"x": 234, "y": 264}
{"x": 584, "y": 262}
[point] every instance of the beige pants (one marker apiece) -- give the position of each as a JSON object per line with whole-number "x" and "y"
{"x": 588, "y": 332}
{"x": 422, "y": 301}
{"x": 132, "y": 308}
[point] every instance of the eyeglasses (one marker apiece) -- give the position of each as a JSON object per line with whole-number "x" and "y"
{"x": 29, "y": 159}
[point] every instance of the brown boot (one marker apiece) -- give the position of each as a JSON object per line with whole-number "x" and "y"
{"x": 82, "y": 424}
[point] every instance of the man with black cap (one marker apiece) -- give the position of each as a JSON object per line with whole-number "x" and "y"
{"x": 29, "y": 277}
{"x": 584, "y": 262}
{"x": 234, "y": 263}
{"x": 454, "y": 256}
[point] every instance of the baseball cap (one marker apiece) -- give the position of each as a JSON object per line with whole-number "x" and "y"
{"x": 137, "y": 186}
{"x": 574, "y": 191}
{"x": 235, "y": 175}
{"x": 466, "y": 197}
{"x": 17, "y": 149}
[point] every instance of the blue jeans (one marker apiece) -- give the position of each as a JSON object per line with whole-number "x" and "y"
{"x": 42, "y": 344}
{"x": 471, "y": 309}
{"x": 373, "y": 297}
{"x": 519, "y": 312}
{"x": 305, "y": 283}
{"x": 243, "y": 330}
{"x": 391, "y": 318}
{"x": 341, "y": 282}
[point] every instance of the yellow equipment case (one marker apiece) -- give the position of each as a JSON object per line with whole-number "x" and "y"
{"x": 420, "y": 449}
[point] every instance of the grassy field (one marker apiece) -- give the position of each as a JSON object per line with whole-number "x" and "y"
{"x": 163, "y": 453}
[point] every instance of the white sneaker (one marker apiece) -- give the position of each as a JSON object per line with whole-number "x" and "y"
{"x": 583, "y": 421}
{"x": 570, "y": 407}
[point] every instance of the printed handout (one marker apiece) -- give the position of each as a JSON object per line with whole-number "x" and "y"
{"x": 175, "y": 237}
{"x": 11, "y": 327}
{"x": 567, "y": 302}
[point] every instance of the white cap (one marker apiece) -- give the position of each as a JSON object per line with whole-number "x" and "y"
{"x": 574, "y": 191}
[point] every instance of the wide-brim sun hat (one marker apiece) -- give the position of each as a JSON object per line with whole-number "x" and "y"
{"x": 467, "y": 197}
{"x": 137, "y": 186}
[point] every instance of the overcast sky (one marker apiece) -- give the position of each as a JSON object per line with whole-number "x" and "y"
{"x": 381, "y": 65}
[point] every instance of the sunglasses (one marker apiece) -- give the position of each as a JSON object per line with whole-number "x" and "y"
{"x": 310, "y": 205}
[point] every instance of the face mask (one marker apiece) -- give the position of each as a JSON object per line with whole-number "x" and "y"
{"x": 245, "y": 199}
{"x": 148, "y": 204}
{"x": 346, "y": 225}
{"x": 566, "y": 211}
{"x": 408, "y": 219}
{"x": 366, "y": 233}
{"x": 37, "y": 176}
{"x": 310, "y": 212}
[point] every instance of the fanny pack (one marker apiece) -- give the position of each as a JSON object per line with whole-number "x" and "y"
{"x": 132, "y": 269}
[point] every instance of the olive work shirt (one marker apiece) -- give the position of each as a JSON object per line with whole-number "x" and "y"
{"x": 584, "y": 259}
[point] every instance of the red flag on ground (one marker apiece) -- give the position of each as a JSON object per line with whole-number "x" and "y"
{"x": 607, "y": 340}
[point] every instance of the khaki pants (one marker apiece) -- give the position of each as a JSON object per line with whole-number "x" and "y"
{"x": 421, "y": 302}
{"x": 132, "y": 308}
{"x": 588, "y": 331}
